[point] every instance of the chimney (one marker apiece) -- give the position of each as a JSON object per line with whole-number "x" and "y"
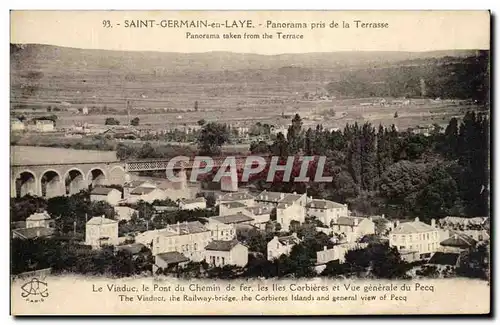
{"x": 455, "y": 236}
{"x": 417, "y": 219}
{"x": 38, "y": 233}
{"x": 282, "y": 195}
{"x": 356, "y": 221}
{"x": 433, "y": 223}
{"x": 324, "y": 248}
{"x": 294, "y": 192}
{"x": 294, "y": 234}
{"x": 275, "y": 238}
{"x": 260, "y": 210}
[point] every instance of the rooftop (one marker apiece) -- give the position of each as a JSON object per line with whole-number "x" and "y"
{"x": 101, "y": 221}
{"x": 444, "y": 258}
{"x": 270, "y": 196}
{"x": 348, "y": 221}
{"x": 289, "y": 240}
{"x": 324, "y": 204}
{"x": 221, "y": 245}
{"x": 235, "y": 218}
{"x": 172, "y": 257}
{"x": 133, "y": 249}
{"x": 185, "y": 228}
{"x": 459, "y": 240}
{"x": 196, "y": 200}
{"x": 412, "y": 227}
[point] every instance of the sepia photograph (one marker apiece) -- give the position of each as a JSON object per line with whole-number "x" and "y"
{"x": 250, "y": 163}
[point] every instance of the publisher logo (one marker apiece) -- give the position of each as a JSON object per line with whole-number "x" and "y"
{"x": 34, "y": 290}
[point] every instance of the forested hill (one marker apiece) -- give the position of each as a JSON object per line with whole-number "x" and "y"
{"x": 446, "y": 77}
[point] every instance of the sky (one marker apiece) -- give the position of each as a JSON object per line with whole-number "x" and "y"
{"x": 406, "y": 31}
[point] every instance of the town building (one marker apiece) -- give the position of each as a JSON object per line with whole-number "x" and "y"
{"x": 326, "y": 211}
{"x": 168, "y": 260}
{"x": 101, "y": 231}
{"x": 220, "y": 230}
{"x": 193, "y": 204}
{"x": 416, "y": 236}
{"x": 261, "y": 215}
{"x": 281, "y": 245}
{"x": 106, "y": 194}
{"x": 187, "y": 238}
{"x": 233, "y": 219}
{"x": 457, "y": 243}
{"x": 40, "y": 219}
{"x": 271, "y": 198}
{"x": 134, "y": 249}
{"x": 291, "y": 207}
{"x": 220, "y": 253}
{"x": 131, "y": 185}
{"x": 125, "y": 213}
{"x": 233, "y": 207}
{"x": 352, "y": 228}
{"x": 336, "y": 253}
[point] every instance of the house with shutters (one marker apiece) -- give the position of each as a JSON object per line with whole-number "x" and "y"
{"x": 101, "y": 231}
{"x": 106, "y": 194}
{"x": 326, "y": 211}
{"x": 352, "y": 228}
{"x": 416, "y": 236}
{"x": 220, "y": 253}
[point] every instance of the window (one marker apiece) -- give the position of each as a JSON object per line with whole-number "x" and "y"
{"x": 195, "y": 246}
{"x": 223, "y": 261}
{"x": 157, "y": 240}
{"x": 403, "y": 237}
{"x": 410, "y": 239}
{"x": 393, "y": 237}
{"x": 401, "y": 247}
{"x": 427, "y": 236}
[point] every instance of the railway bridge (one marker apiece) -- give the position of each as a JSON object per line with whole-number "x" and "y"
{"x": 49, "y": 172}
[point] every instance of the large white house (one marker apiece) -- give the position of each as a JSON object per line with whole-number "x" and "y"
{"x": 352, "y": 228}
{"x": 291, "y": 207}
{"x": 242, "y": 197}
{"x": 101, "y": 231}
{"x": 146, "y": 194}
{"x": 326, "y": 211}
{"x": 187, "y": 238}
{"x": 41, "y": 219}
{"x": 281, "y": 245}
{"x": 221, "y": 253}
{"x": 416, "y": 236}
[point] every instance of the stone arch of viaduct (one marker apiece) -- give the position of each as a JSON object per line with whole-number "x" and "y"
{"x": 63, "y": 179}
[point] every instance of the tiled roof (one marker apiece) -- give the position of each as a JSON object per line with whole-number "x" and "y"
{"x": 38, "y": 216}
{"x": 142, "y": 190}
{"x": 236, "y": 196}
{"x": 134, "y": 184}
{"x": 324, "y": 204}
{"x": 221, "y": 245}
{"x": 412, "y": 227}
{"x": 459, "y": 240}
{"x": 134, "y": 248}
{"x": 234, "y": 204}
{"x": 102, "y": 190}
{"x": 291, "y": 198}
{"x": 172, "y": 257}
{"x": 100, "y": 221}
{"x": 235, "y": 218}
{"x": 444, "y": 258}
{"x": 35, "y": 232}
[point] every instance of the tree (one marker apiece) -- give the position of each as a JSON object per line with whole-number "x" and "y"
{"x": 111, "y": 121}
{"x": 396, "y": 115}
{"x": 294, "y": 135}
{"x": 135, "y": 121}
{"x": 211, "y": 138}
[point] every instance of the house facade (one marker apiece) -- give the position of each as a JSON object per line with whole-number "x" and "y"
{"x": 222, "y": 253}
{"x": 326, "y": 211}
{"x": 101, "y": 231}
{"x": 352, "y": 228}
{"x": 146, "y": 194}
{"x": 281, "y": 245}
{"x": 41, "y": 219}
{"x": 292, "y": 207}
{"x": 187, "y": 238}
{"x": 416, "y": 236}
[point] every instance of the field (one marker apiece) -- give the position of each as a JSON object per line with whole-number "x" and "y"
{"x": 232, "y": 88}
